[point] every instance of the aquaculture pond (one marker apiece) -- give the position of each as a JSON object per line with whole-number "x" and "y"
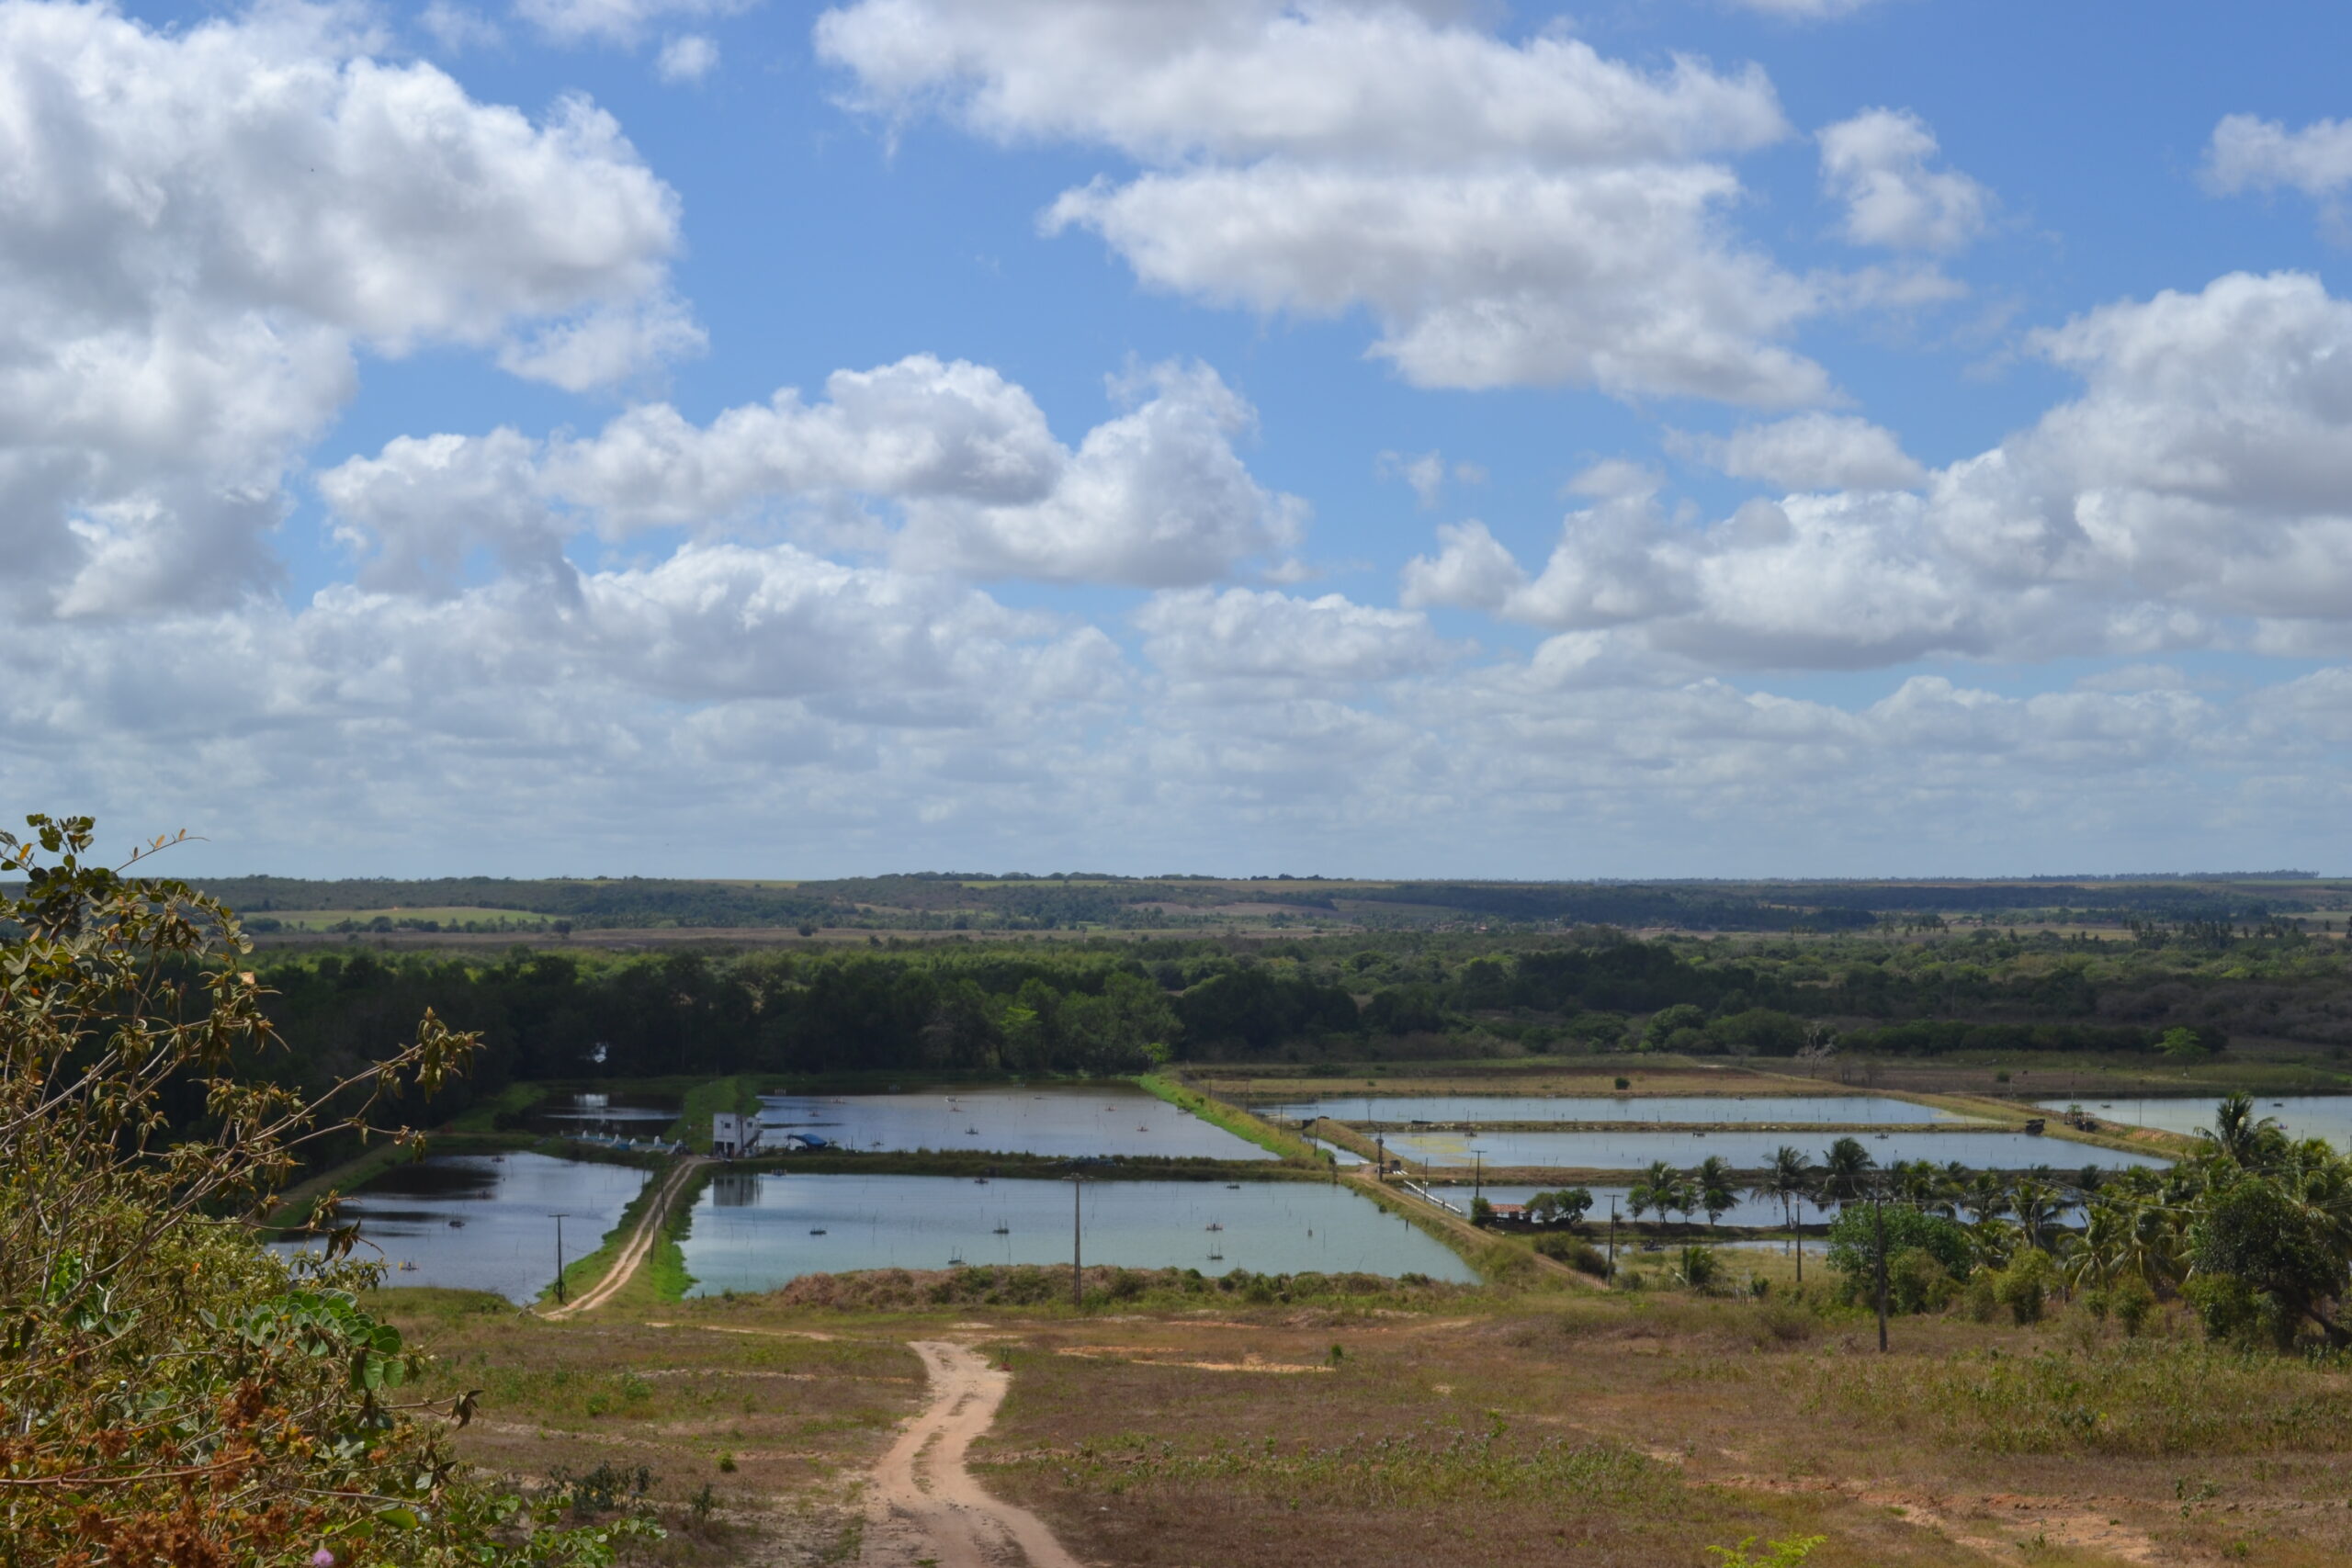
{"x": 1635, "y": 1149}
{"x": 2325, "y": 1116}
{"x": 1860, "y": 1110}
{"x": 626, "y": 1115}
{"x": 481, "y": 1222}
{"x": 753, "y": 1231}
{"x": 1074, "y": 1119}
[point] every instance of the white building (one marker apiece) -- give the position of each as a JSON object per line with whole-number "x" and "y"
{"x": 733, "y": 1137}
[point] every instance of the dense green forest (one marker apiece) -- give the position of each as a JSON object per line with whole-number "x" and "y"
{"x": 1101, "y": 1005}
{"x": 954, "y": 901}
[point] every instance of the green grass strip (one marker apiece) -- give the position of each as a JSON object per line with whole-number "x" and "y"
{"x": 1287, "y": 1146}
{"x": 739, "y": 1094}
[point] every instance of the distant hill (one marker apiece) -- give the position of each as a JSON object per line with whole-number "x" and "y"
{"x": 942, "y": 901}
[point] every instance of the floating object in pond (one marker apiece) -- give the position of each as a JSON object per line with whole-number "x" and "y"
{"x": 407, "y": 1267}
{"x": 816, "y": 1230}
{"x": 1233, "y": 1187}
{"x": 956, "y": 1262}
{"x": 980, "y": 1181}
{"x": 1001, "y": 1230}
{"x": 1214, "y": 1227}
{"x": 1141, "y": 1128}
{"x": 972, "y": 1132}
{"x": 457, "y": 1224}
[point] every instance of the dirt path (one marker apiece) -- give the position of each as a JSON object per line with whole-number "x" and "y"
{"x": 925, "y": 1506}
{"x": 641, "y": 1243}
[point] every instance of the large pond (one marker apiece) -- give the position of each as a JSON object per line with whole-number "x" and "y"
{"x": 482, "y": 1222}
{"x": 2325, "y": 1116}
{"x": 1635, "y": 1149}
{"x": 1054, "y": 1120}
{"x": 629, "y": 1115}
{"x": 1859, "y": 1109}
{"x": 753, "y": 1231}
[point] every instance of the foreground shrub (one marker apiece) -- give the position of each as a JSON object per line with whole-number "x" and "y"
{"x": 170, "y": 1393}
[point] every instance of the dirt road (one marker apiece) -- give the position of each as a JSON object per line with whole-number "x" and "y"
{"x": 640, "y": 1241}
{"x": 925, "y": 1506}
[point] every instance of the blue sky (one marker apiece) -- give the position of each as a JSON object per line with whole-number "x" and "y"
{"x": 1758, "y": 436}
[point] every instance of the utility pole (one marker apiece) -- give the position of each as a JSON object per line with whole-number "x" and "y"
{"x": 1076, "y": 1281}
{"x": 1878, "y": 1223}
{"x": 559, "y": 1219}
{"x": 1478, "y": 1178}
{"x": 1612, "y": 1235}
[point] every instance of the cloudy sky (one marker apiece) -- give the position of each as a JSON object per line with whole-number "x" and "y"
{"x": 736, "y": 437}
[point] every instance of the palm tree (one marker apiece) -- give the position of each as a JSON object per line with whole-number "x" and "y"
{"x": 1788, "y": 1181}
{"x": 2035, "y": 1203}
{"x": 2246, "y": 1141}
{"x": 1714, "y": 1180}
{"x": 1845, "y": 1170}
{"x": 1987, "y": 1194}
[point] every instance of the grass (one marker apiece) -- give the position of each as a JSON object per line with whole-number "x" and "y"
{"x": 513, "y": 1101}
{"x": 1176, "y": 1422}
{"x": 707, "y": 1098}
{"x": 1242, "y": 1123}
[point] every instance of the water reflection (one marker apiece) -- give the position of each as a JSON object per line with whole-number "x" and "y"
{"x": 802, "y": 1225}
{"x": 630, "y": 1115}
{"x": 1635, "y": 1149}
{"x": 480, "y": 1221}
{"x": 1857, "y": 1109}
{"x": 1056, "y": 1120}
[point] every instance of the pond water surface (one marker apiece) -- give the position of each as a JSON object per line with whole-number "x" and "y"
{"x": 2325, "y": 1116}
{"x": 1634, "y": 1149}
{"x": 481, "y": 1221}
{"x": 1056, "y": 1120}
{"x": 589, "y": 1114}
{"x": 1854, "y": 1109}
{"x": 753, "y": 1231}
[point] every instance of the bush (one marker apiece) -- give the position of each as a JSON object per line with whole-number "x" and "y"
{"x": 1917, "y": 1282}
{"x": 1853, "y": 1242}
{"x": 1698, "y": 1267}
{"x": 172, "y": 1391}
{"x": 1576, "y": 1253}
{"x": 2023, "y": 1285}
{"x": 2132, "y": 1302}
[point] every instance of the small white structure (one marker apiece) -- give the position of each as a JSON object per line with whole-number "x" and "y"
{"x": 733, "y": 1137}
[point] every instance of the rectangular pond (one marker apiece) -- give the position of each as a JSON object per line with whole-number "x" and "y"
{"x": 1054, "y": 1120}
{"x": 1858, "y": 1110}
{"x": 626, "y": 1115}
{"x": 2325, "y": 1116}
{"x": 754, "y": 1231}
{"x": 1635, "y": 1149}
{"x": 481, "y": 1222}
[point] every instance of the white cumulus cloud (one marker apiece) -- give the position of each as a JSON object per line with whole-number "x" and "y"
{"x": 1156, "y": 496}
{"x": 185, "y": 273}
{"x": 1510, "y": 213}
{"x": 1810, "y": 451}
{"x": 1877, "y": 164}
